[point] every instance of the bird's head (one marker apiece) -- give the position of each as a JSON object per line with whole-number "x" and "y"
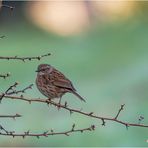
{"x": 44, "y": 69}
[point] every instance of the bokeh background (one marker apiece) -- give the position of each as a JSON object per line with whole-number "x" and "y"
{"x": 101, "y": 46}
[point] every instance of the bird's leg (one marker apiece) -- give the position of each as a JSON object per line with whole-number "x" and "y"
{"x": 60, "y": 100}
{"x": 59, "y": 103}
{"x": 48, "y": 100}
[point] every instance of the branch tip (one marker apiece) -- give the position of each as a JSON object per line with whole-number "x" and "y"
{"x": 25, "y": 58}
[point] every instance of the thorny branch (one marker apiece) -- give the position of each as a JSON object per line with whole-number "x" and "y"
{"x": 11, "y": 90}
{"x": 46, "y": 133}
{"x": 71, "y": 110}
{"x": 20, "y": 91}
{"x": 121, "y": 108}
{"x": 3, "y": 129}
{"x": 24, "y": 58}
{"x": 10, "y": 116}
{"x": 6, "y": 92}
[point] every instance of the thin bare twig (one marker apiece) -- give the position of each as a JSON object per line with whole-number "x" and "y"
{"x": 12, "y": 91}
{"x": 121, "y": 108}
{"x": 4, "y": 76}
{"x": 71, "y": 110}
{"x": 10, "y": 116}
{"x": 3, "y": 36}
{"x": 7, "y": 6}
{"x": 3, "y": 129}
{"x": 20, "y": 91}
{"x": 24, "y": 58}
{"x": 46, "y": 133}
{"x": 6, "y": 92}
{"x": 141, "y": 118}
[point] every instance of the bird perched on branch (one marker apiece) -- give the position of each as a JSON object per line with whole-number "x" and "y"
{"x": 53, "y": 84}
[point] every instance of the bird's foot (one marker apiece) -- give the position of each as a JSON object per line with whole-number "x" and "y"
{"x": 59, "y": 104}
{"x": 48, "y": 100}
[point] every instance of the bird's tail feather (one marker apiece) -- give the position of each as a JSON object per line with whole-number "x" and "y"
{"x": 75, "y": 93}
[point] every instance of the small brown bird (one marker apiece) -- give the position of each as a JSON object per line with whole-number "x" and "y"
{"x": 53, "y": 84}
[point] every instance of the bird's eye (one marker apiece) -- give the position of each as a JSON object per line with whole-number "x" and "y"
{"x": 43, "y": 69}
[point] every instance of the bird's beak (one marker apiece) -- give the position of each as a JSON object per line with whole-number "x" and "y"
{"x": 36, "y": 71}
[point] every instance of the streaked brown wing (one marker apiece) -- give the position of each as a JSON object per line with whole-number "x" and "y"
{"x": 58, "y": 79}
{"x": 64, "y": 84}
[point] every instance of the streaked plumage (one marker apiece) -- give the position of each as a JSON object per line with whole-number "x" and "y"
{"x": 52, "y": 83}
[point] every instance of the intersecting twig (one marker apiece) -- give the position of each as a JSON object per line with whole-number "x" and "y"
{"x": 46, "y": 133}
{"x": 20, "y": 91}
{"x": 12, "y": 91}
{"x": 8, "y": 116}
{"x": 6, "y": 92}
{"x": 3, "y": 129}
{"x": 119, "y": 111}
{"x": 71, "y": 110}
{"x": 24, "y": 58}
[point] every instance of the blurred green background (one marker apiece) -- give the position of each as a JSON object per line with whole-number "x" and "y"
{"x": 106, "y": 57}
